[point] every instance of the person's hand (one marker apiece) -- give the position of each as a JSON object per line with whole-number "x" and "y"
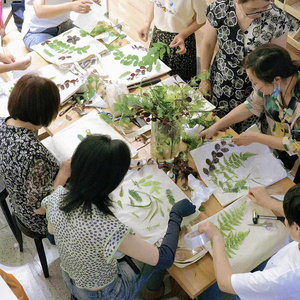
{"x": 178, "y": 41}
{"x": 260, "y": 196}
{"x": 183, "y": 208}
{"x": 144, "y": 33}
{"x": 208, "y": 133}
{"x": 205, "y": 87}
{"x": 22, "y": 64}
{"x": 210, "y": 230}
{"x": 245, "y": 138}
{"x": 81, "y": 6}
{"x": 7, "y": 59}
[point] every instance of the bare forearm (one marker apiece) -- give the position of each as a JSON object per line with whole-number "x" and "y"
{"x": 149, "y": 13}
{"x": 222, "y": 267}
{"x": 191, "y": 29}
{"x": 50, "y": 11}
{"x": 238, "y": 114}
{"x": 271, "y": 141}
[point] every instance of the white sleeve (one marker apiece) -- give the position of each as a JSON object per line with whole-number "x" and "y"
{"x": 200, "y": 7}
{"x": 272, "y": 284}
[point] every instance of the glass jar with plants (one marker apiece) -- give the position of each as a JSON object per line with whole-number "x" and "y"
{"x": 167, "y": 107}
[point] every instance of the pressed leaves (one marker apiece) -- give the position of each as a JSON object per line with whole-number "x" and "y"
{"x": 217, "y": 164}
{"x": 153, "y": 205}
{"x": 227, "y": 221}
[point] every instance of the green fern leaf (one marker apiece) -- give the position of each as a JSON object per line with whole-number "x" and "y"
{"x": 170, "y": 196}
{"x": 135, "y": 195}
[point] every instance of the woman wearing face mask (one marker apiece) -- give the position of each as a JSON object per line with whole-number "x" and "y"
{"x": 239, "y": 27}
{"x": 276, "y": 92}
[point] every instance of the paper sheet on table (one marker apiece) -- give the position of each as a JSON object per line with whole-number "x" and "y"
{"x": 262, "y": 169}
{"x": 116, "y": 71}
{"x": 260, "y": 243}
{"x": 64, "y": 143}
{"x": 89, "y": 21}
{"x": 60, "y": 51}
{"x": 150, "y": 220}
{"x": 3, "y": 105}
{"x": 59, "y": 76}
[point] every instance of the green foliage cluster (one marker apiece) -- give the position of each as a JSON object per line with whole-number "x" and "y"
{"x": 155, "y": 204}
{"x": 63, "y": 48}
{"x": 156, "y": 52}
{"x": 232, "y": 182}
{"x": 170, "y": 104}
{"x": 227, "y": 222}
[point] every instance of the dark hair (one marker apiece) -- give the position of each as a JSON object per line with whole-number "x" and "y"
{"x": 291, "y": 205}
{"x": 98, "y": 166}
{"x": 269, "y": 61}
{"x": 34, "y": 99}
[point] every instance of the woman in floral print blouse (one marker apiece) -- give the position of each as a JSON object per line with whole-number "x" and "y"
{"x": 275, "y": 80}
{"x": 237, "y": 27}
{"x": 27, "y": 168}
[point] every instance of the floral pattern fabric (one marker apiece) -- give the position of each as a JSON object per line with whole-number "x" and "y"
{"x": 283, "y": 122}
{"x": 86, "y": 244}
{"x": 230, "y": 83}
{"x": 28, "y": 170}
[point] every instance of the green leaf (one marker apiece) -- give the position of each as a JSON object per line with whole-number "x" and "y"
{"x": 121, "y": 194}
{"x": 135, "y": 195}
{"x": 170, "y": 196}
{"x": 120, "y": 203}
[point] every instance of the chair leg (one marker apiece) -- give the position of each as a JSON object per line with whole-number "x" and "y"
{"x": 18, "y": 233}
{"x": 42, "y": 256}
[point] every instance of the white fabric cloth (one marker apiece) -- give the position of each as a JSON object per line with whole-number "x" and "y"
{"x": 279, "y": 280}
{"x": 35, "y": 24}
{"x": 176, "y": 16}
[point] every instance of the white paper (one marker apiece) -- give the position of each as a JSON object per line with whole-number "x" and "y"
{"x": 64, "y": 143}
{"x": 94, "y": 47}
{"x": 263, "y": 169}
{"x": 150, "y": 230}
{"x": 89, "y": 21}
{"x": 115, "y": 69}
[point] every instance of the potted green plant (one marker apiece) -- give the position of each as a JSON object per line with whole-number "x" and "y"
{"x": 167, "y": 107}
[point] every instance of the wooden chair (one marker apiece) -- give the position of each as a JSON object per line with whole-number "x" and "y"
{"x": 14, "y": 228}
{"x": 38, "y": 242}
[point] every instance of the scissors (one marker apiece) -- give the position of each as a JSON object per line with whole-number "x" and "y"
{"x": 105, "y": 112}
{"x": 271, "y": 226}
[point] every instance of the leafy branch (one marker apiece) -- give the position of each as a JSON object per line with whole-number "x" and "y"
{"x": 227, "y": 222}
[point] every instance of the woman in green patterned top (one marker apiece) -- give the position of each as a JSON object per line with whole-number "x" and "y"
{"x": 276, "y": 92}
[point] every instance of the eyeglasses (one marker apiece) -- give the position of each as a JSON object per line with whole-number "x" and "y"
{"x": 256, "y": 89}
{"x": 259, "y": 12}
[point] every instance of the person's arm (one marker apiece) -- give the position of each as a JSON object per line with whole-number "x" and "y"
{"x": 179, "y": 39}
{"x": 63, "y": 174}
{"x": 222, "y": 268}
{"x": 16, "y": 65}
{"x": 44, "y": 11}
{"x": 260, "y": 196}
{"x": 238, "y": 114}
{"x": 249, "y": 137}
{"x": 207, "y": 48}
{"x": 281, "y": 41}
{"x": 162, "y": 257}
{"x": 143, "y": 32}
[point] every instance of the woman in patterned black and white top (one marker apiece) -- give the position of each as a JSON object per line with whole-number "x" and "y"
{"x": 88, "y": 235}
{"x": 27, "y": 168}
{"x": 239, "y": 27}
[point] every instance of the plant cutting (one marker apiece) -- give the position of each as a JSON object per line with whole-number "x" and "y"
{"x": 168, "y": 107}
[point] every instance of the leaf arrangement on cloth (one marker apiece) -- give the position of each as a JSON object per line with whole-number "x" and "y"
{"x": 69, "y": 47}
{"x": 227, "y": 221}
{"x": 231, "y": 170}
{"x": 246, "y": 246}
{"x": 144, "y": 200}
{"x": 133, "y": 63}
